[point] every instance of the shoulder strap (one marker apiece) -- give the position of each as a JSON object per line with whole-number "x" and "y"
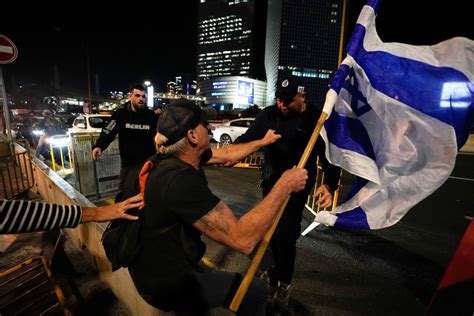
{"x": 143, "y": 176}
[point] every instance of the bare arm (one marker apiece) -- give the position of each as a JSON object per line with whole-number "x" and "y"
{"x": 19, "y": 216}
{"x": 110, "y": 212}
{"x": 232, "y": 153}
{"x": 243, "y": 234}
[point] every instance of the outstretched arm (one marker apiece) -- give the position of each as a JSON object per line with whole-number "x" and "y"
{"x": 110, "y": 212}
{"x": 18, "y": 216}
{"x": 244, "y": 233}
{"x": 230, "y": 154}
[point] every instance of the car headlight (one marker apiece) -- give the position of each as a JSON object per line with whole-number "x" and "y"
{"x": 59, "y": 141}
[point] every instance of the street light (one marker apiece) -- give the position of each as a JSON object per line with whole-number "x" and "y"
{"x": 149, "y": 91}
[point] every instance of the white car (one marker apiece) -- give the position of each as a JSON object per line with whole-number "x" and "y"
{"x": 226, "y": 133}
{"x": 89, "y": 123}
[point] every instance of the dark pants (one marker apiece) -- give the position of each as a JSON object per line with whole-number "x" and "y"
{"x": 128, "y": 182}
{"x": 283, "y": 242}
{"x": 210, "y": 288}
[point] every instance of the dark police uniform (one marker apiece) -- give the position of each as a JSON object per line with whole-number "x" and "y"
{"x": 282, "y": 155}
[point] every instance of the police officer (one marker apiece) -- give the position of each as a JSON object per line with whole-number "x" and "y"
{"x": 295, "y": 120}
{"x": 135, "y": 125}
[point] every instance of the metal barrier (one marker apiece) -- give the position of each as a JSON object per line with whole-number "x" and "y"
{"x": 59, "y": 144}
{"x": 253, "y": 161}
{"x": 97, "y": 178}
{"x": 15, "y": 170}
{"x": 28, "y": 289}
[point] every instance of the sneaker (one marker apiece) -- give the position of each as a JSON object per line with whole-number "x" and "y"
{"x": 282, "y": 297}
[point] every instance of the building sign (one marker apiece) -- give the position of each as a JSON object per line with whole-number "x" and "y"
{"x": 215, "y": 94}
{"x": 219, "y": 85}
{"x": 246, "y": 89}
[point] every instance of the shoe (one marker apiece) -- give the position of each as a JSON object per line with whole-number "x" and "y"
{"x": 282, "y": 297}
{"x": 272, "y": 286}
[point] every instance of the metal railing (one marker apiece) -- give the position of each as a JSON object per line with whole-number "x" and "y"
{"x": 95, "y": 178}
{"x": 16, "y": 175}
{"x": 253, "y": 161}
{"x": 28, "y": 289}
{"x": 60, "y": 147}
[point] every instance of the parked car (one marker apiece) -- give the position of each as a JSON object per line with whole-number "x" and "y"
{"x": 89, "y": 123}
{"x": 226, "y": 133}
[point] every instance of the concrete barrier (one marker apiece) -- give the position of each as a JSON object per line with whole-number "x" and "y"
{"x": 87, "y": 237}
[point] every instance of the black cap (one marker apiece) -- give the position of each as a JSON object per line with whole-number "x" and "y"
{"x": 181, "y": 116}
{"x": 288, "y": 87}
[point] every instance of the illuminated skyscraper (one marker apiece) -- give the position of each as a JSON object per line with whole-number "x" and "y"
{"x": 303, "y": 39}
{"x": 227, "y": 38}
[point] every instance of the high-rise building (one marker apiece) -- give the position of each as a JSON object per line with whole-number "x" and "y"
{"x": 230, "y": 38}
{"x": 231, "y": 47}
{"x": 303, "y": 38}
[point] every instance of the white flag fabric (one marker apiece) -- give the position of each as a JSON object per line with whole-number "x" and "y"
{"x": 400, "y": 115}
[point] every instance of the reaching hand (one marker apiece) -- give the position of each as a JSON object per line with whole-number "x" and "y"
{"x": 96, "y": 152}
{"x": 270, "y": 137}
{"x": 133, "y": 202}
{"x": 325, "y": 200}
{"x": 111, "y": 212}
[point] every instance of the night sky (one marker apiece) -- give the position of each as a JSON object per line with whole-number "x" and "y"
{"x": 132, "y": 43}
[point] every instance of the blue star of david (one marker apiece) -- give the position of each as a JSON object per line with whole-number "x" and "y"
{"x": 359, "y": 103}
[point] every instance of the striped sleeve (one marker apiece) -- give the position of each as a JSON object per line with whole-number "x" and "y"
{"x": 18, "y": 216}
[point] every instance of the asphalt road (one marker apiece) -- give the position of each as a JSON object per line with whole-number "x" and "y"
{"x": 392, "y": 271}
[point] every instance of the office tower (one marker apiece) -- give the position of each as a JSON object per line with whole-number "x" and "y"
{"x": 231, "y": 37}
{"x": 303, "y": 38}
{"x": 231, "y": 45}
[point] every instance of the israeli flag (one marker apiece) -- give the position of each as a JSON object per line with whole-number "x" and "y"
{"x": 401, "y": 113}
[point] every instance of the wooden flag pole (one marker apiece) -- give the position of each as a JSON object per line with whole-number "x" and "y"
{"x": 244, "y": 285}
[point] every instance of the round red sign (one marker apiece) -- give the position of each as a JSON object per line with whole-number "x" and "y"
{"x": 8, "y": 50}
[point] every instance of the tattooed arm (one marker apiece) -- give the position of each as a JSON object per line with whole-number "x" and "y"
{"x": 244, "y": 233}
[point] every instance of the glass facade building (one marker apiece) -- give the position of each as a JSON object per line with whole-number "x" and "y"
{"x": 231, "y": 43}
{"x": 303, "y": 39}
{"x": 225, "y": 38}
{"x": 233, "y": 92}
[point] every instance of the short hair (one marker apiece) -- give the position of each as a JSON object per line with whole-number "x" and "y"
{"x": 175, "y": 149}
{"x": 137, "y": 86}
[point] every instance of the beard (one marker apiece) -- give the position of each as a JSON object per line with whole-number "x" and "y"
{"x": 297, "y": 109}
{"x": 293, "y": 110}
{"x": 205, "y": 157}
{"x": 138, "y": 107}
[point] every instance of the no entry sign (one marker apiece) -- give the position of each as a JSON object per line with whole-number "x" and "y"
{"x": 8, "y": 50}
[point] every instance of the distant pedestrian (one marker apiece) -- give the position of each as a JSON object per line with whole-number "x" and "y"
{"x": 50, "y": 125}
